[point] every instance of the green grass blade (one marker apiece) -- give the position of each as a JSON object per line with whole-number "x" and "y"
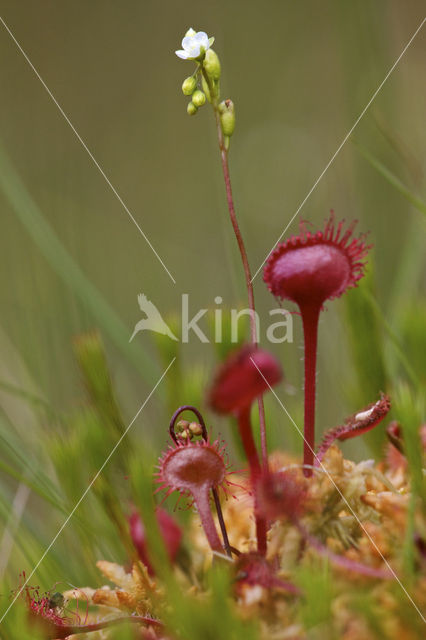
{"x": 365, "y": 336}
{"x": 417, "y": 202}
{"x": 69, "y": 271}
{"x": 410, "y": 412}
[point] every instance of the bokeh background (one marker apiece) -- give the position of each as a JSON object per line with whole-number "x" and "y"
{"x": 71, "y": 260}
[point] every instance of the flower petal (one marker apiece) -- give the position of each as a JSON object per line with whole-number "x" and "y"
{"x": 201, "y": 36}
{"x": 202, "y": 39}
{"x": 195, "y": 43}
{"x": 194, "y": 51}
{"x": 187, "y": 42}
{"x": 182, "y": 54}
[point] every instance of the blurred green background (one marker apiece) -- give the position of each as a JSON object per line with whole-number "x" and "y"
{"x": 71, "y": 260}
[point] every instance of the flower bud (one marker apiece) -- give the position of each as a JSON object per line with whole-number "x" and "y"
{"x": 212, "y": 65}
{"x": 182, "y": 425}
{"x": 189, "y": 85}
{"x": 227, "y": 117}
{"x": 191, "y": 109}
{"x": 198, "y": 98}
{"x": 196, "y": 429}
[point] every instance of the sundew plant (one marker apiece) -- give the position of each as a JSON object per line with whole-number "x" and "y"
{"x": 219, "y": 527}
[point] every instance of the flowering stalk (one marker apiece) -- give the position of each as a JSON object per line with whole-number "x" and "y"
{"x": 241, "y": 246}
{"x": 197, "y": 46}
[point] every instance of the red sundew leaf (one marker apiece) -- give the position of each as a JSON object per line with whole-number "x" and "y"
{"x": 246, "y": 374}
{"x": 310, "y": 269}
{"x": 316, "y": 266}
{"x": 195, "y": 469}
{"x": 281, "y": 494}
{"x": 54, "y": 624}
{"x": 355, "y": 425}
{"x": 170, "y": 531}
{"x": 394, "y": 435}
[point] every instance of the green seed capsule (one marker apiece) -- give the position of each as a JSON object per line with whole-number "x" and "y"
{"x": 212, "y": 65}
{"x": 227, "y": 117}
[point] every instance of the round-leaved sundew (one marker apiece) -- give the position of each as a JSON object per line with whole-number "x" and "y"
{"x": 310, "y": 269}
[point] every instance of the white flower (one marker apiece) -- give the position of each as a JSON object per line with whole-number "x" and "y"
{"x": 194, "y": 45}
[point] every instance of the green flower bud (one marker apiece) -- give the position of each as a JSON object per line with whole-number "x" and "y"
{"x": 196, "y": 429}
{"x": 227, "y": 117}
{"x": 182, "y": 424}
{"x": 191, "y": 109}
{"x": 189, "y": 85}
{"x": 212, "y": 65}
{"x": 198, "y": 98}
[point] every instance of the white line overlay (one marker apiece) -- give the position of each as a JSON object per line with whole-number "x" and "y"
{"x": 90, "y": 154}
{"x": 85, "y": 493}
{"x": 345, "y": 139}
{"x": 343, "y": 497}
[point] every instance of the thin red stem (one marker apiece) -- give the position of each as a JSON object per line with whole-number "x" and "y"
{"x": 243, "y": 253}
{"x": 204, "y": 511}
{"x": 244, "y": 425}
{"x": 310, "y": 316}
